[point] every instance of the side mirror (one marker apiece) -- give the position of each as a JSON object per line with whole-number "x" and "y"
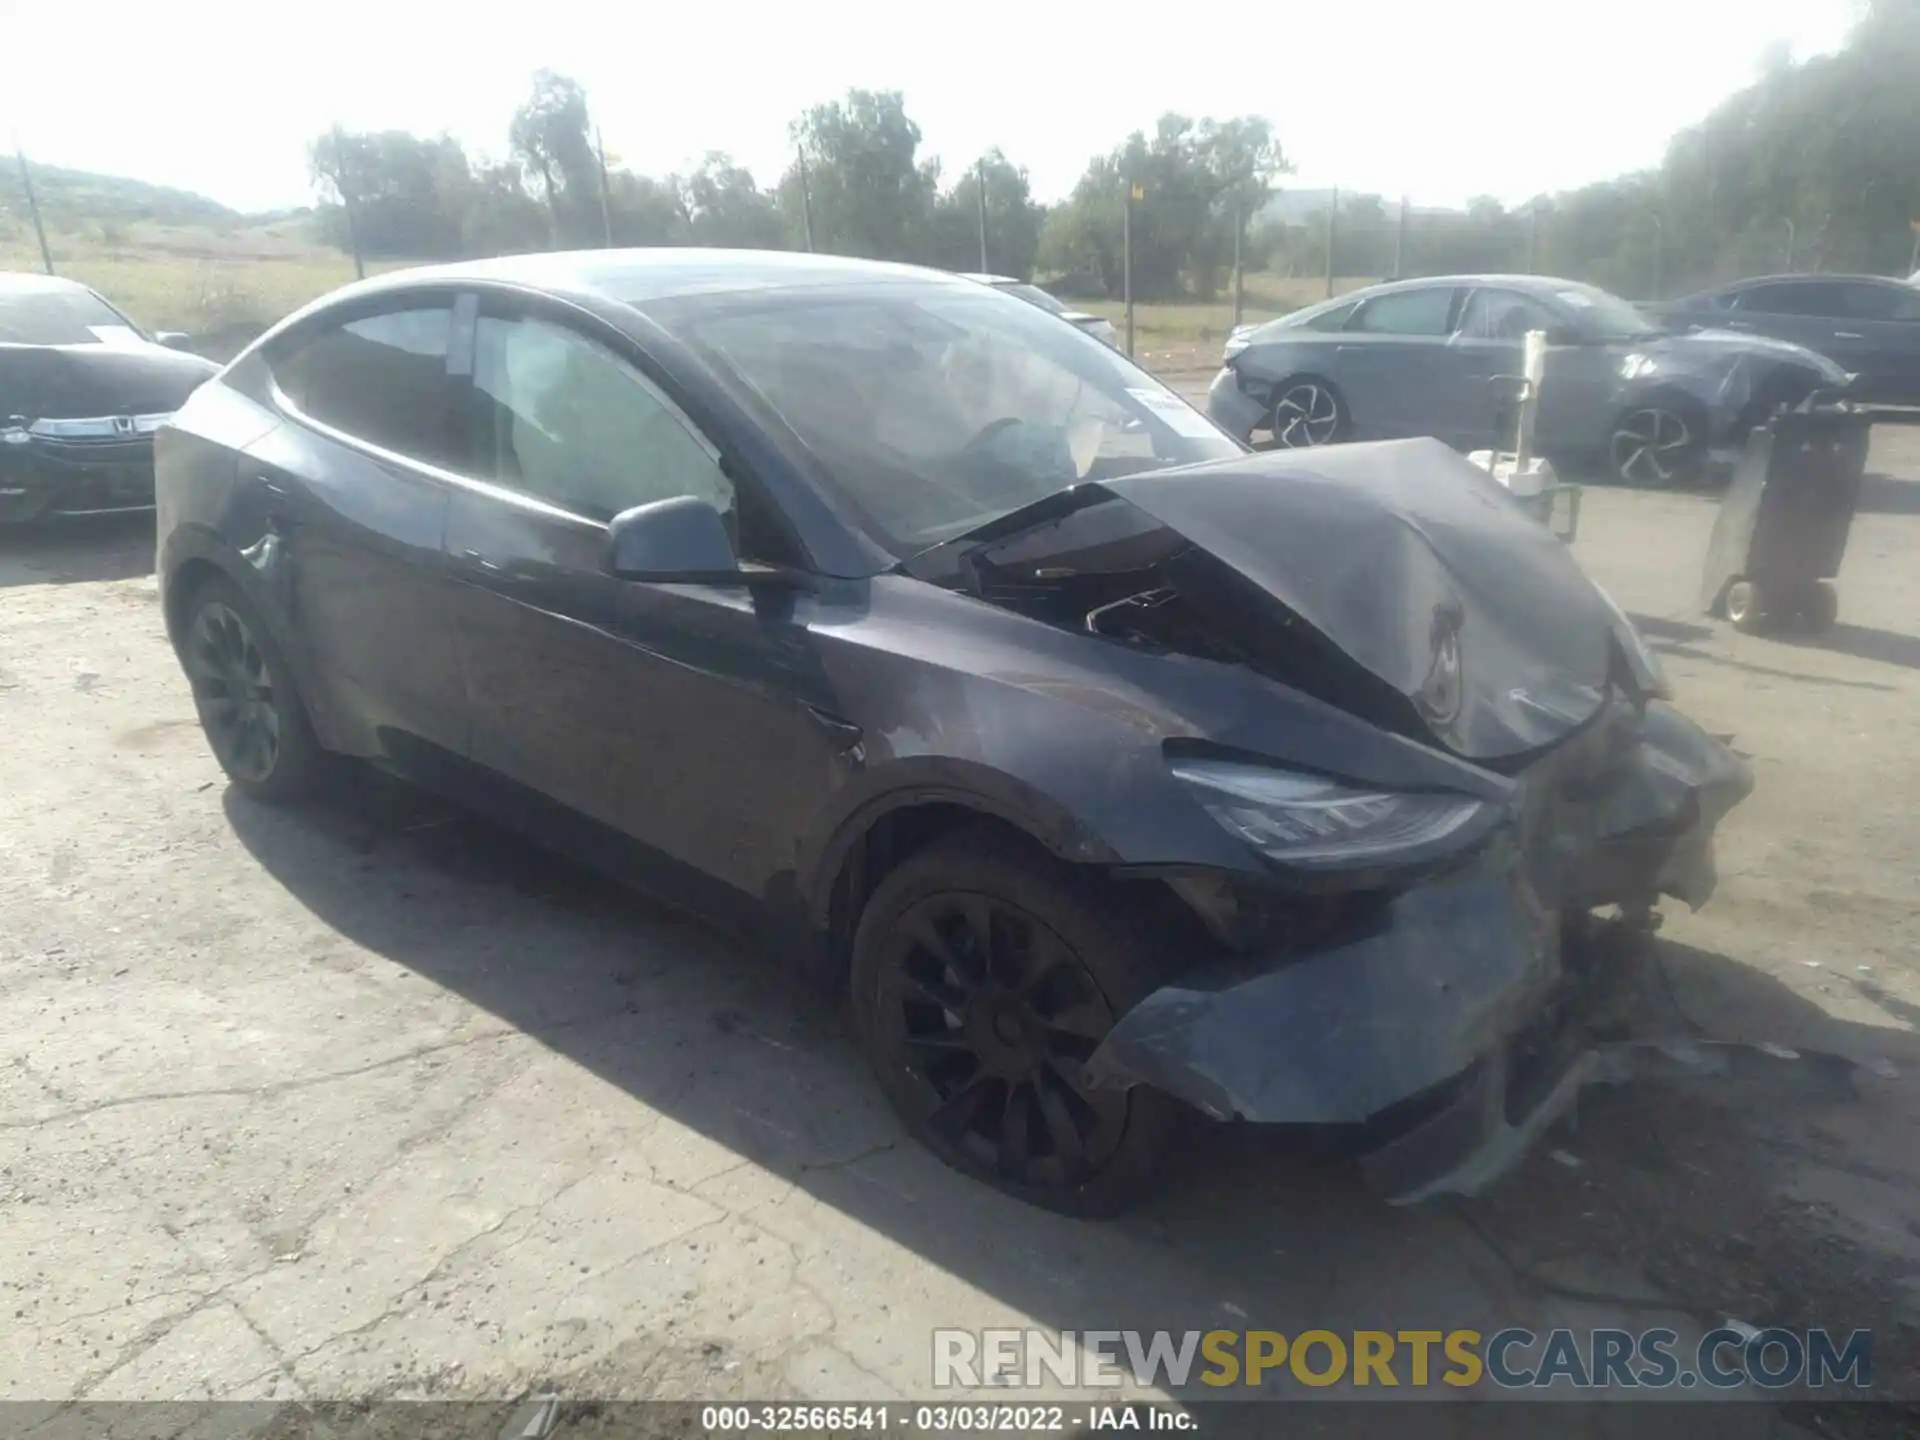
{"x": 682, "y": 540}
{"x": 1565, "y": 335}
{"x": 173, "y": 339}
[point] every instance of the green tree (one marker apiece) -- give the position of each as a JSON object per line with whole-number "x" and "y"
{"x": 1189, "y": 177}
{"x": 1013, "y": 220}
{"x": 870, "y": 195}
{"x": 552, "y": 138}
{"x": 724, "y": 206}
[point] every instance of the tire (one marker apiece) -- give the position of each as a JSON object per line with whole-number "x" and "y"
{"x": 1746, "y": 607}
{"x": 981, "y": 1062}
{"x": 250, "y": 711}
{"x": 1658, "y": 444}
{"x": 1819, "y": 608}
{"x": 1307, "y": 412}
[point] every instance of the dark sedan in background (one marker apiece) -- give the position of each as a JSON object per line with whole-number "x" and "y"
{"x": 1112, "y": 766}
{"x": 1419, "y": 357}
{"x": 82, "y": 391}
{"x": 1866, "y": 324}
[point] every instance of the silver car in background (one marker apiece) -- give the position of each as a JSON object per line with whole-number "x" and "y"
{"x": 1100, "y": 328}
{"x": 1421, "y": 357}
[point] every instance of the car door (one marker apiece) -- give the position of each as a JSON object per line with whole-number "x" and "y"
{"x": 355, "y": 497}
{"x": 1900, "y": 346}
{"x": 1805, "y": 311}
{"x": 1874, "y": 337}
{"x": 675, "y": 714}
{"x": 1489, "y": 341}
{"x": 1394, "y": 364}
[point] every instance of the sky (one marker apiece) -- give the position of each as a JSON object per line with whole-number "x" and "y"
{"x": 1436, "y": 101}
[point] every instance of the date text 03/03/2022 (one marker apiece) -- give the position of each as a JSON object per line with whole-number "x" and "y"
{"x": 942, "y": 1419}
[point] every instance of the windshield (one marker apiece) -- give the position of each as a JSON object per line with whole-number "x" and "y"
{"x": 932, "y": 410}
{"x": 61, "y": 317}
{"x": 1604, "y": 316}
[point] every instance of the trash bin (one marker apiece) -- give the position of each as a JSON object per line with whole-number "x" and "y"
{"x": 1783, "y": 522}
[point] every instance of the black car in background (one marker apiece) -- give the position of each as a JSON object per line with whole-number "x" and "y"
{"x": 1115, "y": 768}
{"x": 82, "y": 391}
{"x": 1869, "y": 325}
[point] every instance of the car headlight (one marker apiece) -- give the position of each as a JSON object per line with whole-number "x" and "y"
{"x": 1311, "y": 821}
{"x": 1238, "y": 339}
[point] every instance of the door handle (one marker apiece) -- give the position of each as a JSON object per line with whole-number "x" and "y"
{"x": 475, "y": 558}
{"x": 1847, "y": 335}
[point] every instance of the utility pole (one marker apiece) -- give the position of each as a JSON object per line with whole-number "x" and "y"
{"x": 33, "y": 207}
{"x": 1533, "y": 241}
{"x": 346, "y": 201}
{"x": 1659, "y": 259}
{"x": 606, "y": 211}
{"x": 980, "y": 180}
{"x": 1400, "y": 242}
{"x": 1791, "y": 237}
{"x": 1333, "y": 226}
{"x": 1239, "y": 287}
{"x": 806, "y": 200}
{"x": 1126, "y": 261}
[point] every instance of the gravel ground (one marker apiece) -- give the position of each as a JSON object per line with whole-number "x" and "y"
{"x": 370, "y": 1100}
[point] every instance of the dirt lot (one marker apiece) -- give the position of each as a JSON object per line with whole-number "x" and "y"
{"x": 370, "y": 1100}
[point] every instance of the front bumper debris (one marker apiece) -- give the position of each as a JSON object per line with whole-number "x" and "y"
{"x": 1232, "y": 409}
{"x": 1448, "y": 1023}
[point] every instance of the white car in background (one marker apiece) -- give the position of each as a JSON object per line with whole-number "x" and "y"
{"x": 1094, "y": 325}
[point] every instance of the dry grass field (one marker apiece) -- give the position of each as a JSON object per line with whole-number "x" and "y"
{"x": 210, "y": 283}
{"x": 223, "y": 286}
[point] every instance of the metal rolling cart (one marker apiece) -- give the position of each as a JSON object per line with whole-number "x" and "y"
{"x": 1528, "y": 477}
{"x": 1784, "y": 521}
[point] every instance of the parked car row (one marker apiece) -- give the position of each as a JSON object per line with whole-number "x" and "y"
{"x": 1119, "y": 773}
{"x": 1651, "y": 403}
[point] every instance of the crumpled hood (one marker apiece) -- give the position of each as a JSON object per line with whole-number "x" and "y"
{"x": 1420, "y": 568}
{"x": 1718, "y": 350}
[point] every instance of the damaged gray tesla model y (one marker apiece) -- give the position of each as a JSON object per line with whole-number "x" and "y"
{"x": 1121, "y": 772}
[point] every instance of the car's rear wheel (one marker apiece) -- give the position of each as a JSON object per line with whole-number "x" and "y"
{"x": 1658, "y": 445}
{"x": 984, "y": 975}
{"x": 1307, "y": 411}
{"x": 252, "y": 716}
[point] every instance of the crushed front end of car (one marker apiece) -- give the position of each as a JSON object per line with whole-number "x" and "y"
{"x": 1467, "y": 752}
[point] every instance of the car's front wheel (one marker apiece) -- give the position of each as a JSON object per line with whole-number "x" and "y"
{"x": 1658, "y": 445}
{"x": 253, "y": 718}
{"x": 1307, "y": 411}
{"x": 984, "y": 975}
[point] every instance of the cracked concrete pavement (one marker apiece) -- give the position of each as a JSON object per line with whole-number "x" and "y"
{"x": 369, "y": 1099}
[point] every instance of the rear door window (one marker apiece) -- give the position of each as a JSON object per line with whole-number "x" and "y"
{"x": 381, "y": 379}
{"x": 1407, "y": 312}
{"x": 1503, "y": 315}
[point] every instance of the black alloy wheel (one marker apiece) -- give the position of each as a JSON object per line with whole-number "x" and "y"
{"x": 253, "y": 720}
{"x": 984, "y": 980}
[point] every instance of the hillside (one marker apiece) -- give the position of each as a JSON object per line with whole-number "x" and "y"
{"x": 70, "y": 196}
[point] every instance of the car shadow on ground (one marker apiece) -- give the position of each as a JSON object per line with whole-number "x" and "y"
{"x": 1266, "y": 1228}
{"x": 76, "y": 548}
{"x": 1888, "y": 495}
{"x": 1866, "y": 642}
{"x": 1683, "y": 638}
